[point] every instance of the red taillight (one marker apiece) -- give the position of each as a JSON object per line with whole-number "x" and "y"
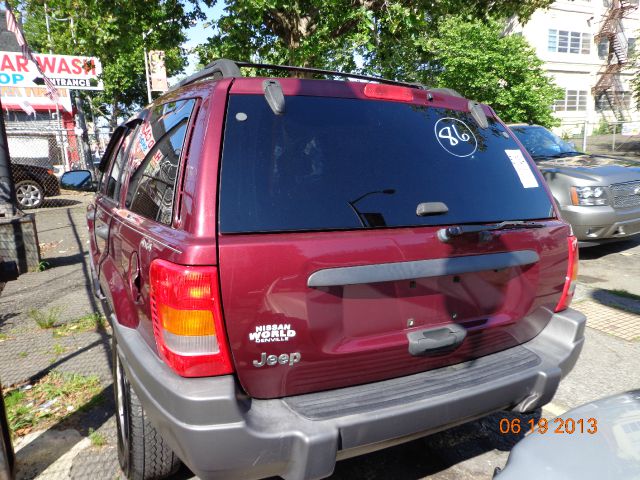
{"x": 572, "y": 276}
{"x": 187, "y": 319}
{"x": 50, "y": 172}
{"x": 388, "y": 92}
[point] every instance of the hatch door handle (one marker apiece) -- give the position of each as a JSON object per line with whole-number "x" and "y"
{"x": 437, "y": 340}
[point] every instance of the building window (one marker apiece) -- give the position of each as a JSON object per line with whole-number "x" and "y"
{"x": 564, "y": 41}
{"x": 553, "y": 41}
{"x": 631, "y": 46}
{"x": 603, "y": 48}
{"x": 573, "y": 101}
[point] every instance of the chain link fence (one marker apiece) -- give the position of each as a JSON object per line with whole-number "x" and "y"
{"x": 604, "y": 137}
{"x": 61, "y": 148}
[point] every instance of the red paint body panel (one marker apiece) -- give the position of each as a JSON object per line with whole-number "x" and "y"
{"x": 329, "y": 88}
{"x": 345, "y": 335}
{"x": 357, "y": 334}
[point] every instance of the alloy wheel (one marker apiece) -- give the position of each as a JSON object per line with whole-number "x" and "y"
{"x": 29, "y": 195}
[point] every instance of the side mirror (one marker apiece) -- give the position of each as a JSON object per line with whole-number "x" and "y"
{"x": 79, "y": 180}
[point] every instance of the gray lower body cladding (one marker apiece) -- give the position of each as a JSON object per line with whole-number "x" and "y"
{"x": 221, "y": 433}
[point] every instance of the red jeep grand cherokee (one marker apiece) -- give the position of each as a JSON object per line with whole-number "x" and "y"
{"x": 299, "y": 271}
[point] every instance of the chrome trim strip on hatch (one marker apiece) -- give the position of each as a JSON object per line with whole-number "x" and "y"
{"x": 389, "y": 272}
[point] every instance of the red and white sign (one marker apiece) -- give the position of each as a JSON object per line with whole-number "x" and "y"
{"x": 21, "y": 84}
{"x": 30, "y": 98}
{"x": 65, "y": 71}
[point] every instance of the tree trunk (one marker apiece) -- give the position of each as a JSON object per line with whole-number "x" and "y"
{"x": 115, "y": 111}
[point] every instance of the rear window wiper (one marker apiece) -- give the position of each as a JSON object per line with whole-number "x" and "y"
{"x": 446, "y": 234}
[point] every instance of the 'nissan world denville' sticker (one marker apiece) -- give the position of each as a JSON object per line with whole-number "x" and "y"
{"x": 455, "y": 137}
{"x": 281, "y": 332}
{"x": 522, "y": 168}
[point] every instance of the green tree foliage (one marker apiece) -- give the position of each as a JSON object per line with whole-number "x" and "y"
{"x": 474, "y": 58}
{"x": 113, "y": 31}
{"x": 396, "y": 39}
{"x": 326, "y": 33}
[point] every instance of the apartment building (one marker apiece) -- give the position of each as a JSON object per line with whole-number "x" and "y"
{"x": 586, "y": 46}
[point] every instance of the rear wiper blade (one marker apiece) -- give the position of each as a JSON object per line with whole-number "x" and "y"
{"x": 447, "y": 233}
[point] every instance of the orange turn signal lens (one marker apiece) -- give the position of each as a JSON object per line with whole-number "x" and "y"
{"x": 574, "y": 196}
{"x": 186, "y": 322}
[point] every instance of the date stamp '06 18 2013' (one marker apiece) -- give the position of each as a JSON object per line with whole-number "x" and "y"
{"x": 565, "y": 426}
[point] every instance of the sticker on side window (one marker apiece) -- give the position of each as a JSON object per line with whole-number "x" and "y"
{"x": 522, "y": 168}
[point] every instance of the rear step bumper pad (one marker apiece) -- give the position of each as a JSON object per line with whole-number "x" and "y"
{"x": 220, "y": 433}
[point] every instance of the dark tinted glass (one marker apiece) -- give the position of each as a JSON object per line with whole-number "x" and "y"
{"x": 155, "y": 158}
{"x": 114, "y": 179}
{"x": 330, "y": 163}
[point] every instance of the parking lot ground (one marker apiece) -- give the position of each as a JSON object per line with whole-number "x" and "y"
{"x": 69, "y": 449}
{"x": 612, "y": 266}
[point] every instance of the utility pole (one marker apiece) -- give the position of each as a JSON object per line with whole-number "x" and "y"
{"x": 146, "y": 64}
{"x": 19, "y": 249}
{"x": 146, "y": 59}
{"x": 7, "y": 190}
{"x": 86, "y": 151}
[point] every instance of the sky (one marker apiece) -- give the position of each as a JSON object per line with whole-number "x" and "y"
{"x": 199, "y": 33}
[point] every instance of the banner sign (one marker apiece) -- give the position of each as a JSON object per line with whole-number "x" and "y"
{"x": 28, "y": 98}
{"x": 65, "y": 71}
{"x": 157, "y": 71}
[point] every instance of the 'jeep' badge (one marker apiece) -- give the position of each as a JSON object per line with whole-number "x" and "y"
{"x": 283, "y": 359}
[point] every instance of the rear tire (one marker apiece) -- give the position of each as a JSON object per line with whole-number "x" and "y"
{"x": 29, "y": 194}
{"x": 142, "y": 452}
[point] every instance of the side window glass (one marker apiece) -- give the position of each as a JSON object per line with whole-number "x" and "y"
{"x": 155, "y": 159}
{"x": 113, "y": 181}
{"x": 112, "y": 150}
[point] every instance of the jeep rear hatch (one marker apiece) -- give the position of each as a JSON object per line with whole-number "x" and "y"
{"x": 331, "y": 274}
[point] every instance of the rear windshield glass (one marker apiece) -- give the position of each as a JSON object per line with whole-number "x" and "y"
{"x": 335, "y": 163}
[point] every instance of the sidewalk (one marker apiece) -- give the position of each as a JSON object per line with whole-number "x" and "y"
{"x": 28, "y": 353}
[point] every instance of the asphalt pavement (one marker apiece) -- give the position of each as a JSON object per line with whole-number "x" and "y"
{"x": 608, "y": 364}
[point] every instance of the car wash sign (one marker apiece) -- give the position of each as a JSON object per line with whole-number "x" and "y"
{"x": 72, "y": 72}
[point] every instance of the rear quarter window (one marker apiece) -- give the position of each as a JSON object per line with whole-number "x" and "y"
{"x": 155, "y": 159}
{"x": 332, "y": 163}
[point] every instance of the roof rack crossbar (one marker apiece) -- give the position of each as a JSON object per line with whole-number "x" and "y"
{"x": 225, "y": 68}
{"x": 333, "y": 73}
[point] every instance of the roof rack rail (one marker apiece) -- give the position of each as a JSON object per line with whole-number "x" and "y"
{"x": 221, "y": 68}
{"x": 333, "y": 73}
{"x": 225, "y": 68}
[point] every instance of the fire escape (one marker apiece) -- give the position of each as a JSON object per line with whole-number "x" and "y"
{"x": 609, "y": 85}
